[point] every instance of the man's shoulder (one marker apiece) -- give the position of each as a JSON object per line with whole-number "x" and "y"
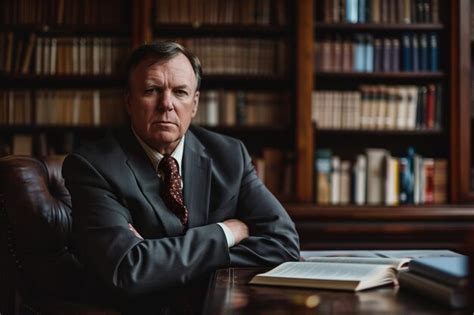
{"x": 211, "y": 139}
{"x": 105, "y": 148}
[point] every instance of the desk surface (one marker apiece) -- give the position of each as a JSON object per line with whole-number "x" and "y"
{"x": 229, "y": 293}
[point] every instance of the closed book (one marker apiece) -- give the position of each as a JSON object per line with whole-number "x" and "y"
{"x": 434, "y": 53}
{"x": 430, "y": 106}
{"x": 428, "y": 192}
{"x": 421, "y": 108}
{"x": 395, "y": 54}
{"x": 438, "y": 123}
{"x": 406, "y": 53}
{"x": 323, "y": 175}
{"x": 351, "y": 11}
{"x": 447, "y": 295}
{"x": 361, "y": 7}
{"x": 360, "y": 180}
{"x": 423, "y": 41}
{"x": 335, "y": 180}
{"x": 415, "y": 52}
{"x": 452, "y": 271}
{"x": 440, "y": 180}
{"x": 359, "y": 53}
{"x": 387, "y": 55}
{"x": 369, "y": 53}
{"x": 375, "y": 175}
{"x": 345, "y": 182}
{"x": 378, "y": 55}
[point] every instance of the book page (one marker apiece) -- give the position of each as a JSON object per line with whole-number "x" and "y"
{"x": 324, "y": 271}
{"x": 418, "y": 253}
{"x": 396, "y": 263}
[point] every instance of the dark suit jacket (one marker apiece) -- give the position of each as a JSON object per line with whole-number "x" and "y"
{"x": 113, "y": 183}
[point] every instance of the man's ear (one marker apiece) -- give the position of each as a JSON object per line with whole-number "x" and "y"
{"x": 195, "y": 103}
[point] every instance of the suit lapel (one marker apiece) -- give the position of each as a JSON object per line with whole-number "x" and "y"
{"x": 197, "y": 180}
{"x": 149, "y": 182}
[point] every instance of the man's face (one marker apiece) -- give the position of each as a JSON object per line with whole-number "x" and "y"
{"x": 162, "y": 101}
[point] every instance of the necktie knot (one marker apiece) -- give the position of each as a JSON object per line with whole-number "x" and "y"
{"x": 172, "y": 194}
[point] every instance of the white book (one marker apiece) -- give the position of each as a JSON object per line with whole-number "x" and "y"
{"x": 360, "y": 180}
{"x": 418, "y": 166}
{"x": 391, "y": 181}
{"x": 375, "y": 175}
{"x": 212, "y": 118}
{"x": 335, "y": 180}
{"x": 345, "y": 180}
{"x": 411, "y": 99}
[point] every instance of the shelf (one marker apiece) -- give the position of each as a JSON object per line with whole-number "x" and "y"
{"x": 380, "y": 75}
{"x": 70, "y": 30}
{"x": 186, "y": 30}
{"x": 357, "y": 27}
{"x": 52, "y": 128}
{"x": 31, "y": 81}
{"x": 377, "y": 132}
{"x": 248, "y": 82}
{"x": 381, "y": 213}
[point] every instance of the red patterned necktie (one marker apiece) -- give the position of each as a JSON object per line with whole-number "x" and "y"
{"x": 172, "y": 194}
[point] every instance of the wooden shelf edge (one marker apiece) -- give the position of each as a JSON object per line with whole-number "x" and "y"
{"x": 379, "y": 26}
{"x": 371, "y": 213}
{"x": 382, "y": 75}
{"x": 213, "y": 30}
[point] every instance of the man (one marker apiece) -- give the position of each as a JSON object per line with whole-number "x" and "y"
{"x": 138, "y": 225}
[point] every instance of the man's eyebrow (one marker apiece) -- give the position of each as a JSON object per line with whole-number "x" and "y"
{"x": 182, "y": 86}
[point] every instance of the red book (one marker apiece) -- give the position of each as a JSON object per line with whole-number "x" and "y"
{"x": 430, "y": 106}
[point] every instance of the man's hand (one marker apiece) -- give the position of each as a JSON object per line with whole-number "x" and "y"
{"x": 239, "y": 229}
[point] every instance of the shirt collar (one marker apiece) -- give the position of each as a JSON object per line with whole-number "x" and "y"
{"x": 155, "y": 156}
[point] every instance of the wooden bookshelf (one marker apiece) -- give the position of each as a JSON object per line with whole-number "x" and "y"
{"x": 320, "y": 226}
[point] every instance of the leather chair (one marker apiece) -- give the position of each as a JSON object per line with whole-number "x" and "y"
{"x": 38, "y": 272}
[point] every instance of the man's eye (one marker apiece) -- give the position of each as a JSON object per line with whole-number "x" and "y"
{"x": 181, "y": 92}
{"x": 150, "y": 90}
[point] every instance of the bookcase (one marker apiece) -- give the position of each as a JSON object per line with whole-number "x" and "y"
{"x": 381, "y": 224}
{"x": 267, "y": 57}
{"x": 61, "y": 72}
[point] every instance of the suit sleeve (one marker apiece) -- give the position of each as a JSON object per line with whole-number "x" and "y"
{"x": 125, "y": 262}
{"x": 273, "y": 237}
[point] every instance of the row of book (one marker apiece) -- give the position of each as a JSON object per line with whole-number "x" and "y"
{"x": 65, "y": 12}
{"x": 377, "y": 178}
{"x": 381, "y": 11}
{"x": 62, "y": 55}
{"x": 380, "y": 107}
{"x": 366, "y": 53}
{"x": 197, "y": 12}
{"x": 62, "y": 107}
{"x": 231, "y": 108}
{"x": 221, "y": 55}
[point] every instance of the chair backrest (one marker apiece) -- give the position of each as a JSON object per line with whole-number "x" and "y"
{"x": 35, "y": 218}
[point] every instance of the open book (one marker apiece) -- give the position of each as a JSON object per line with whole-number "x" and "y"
{"x": 341, "y": 273}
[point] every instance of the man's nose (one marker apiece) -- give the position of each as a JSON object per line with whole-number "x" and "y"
{"x": 165, "y": 103}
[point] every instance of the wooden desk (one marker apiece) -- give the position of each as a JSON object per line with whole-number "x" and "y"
{"x": 229, "y": 293}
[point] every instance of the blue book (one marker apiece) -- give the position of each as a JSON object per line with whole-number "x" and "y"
{"x": 395, "y": 55}
{"x": 423, "y": 52}
{"x": 359, "y": 57}
{"x": 351, "y": 11}
{"x": 361, "y": 11}
{"x": 369, "y": 53}
{"x": 433, "y": 48}
{"x": 452, "y": 271}
{"x": 406, "y": 53}
{"x": 387, "y": 55}
{"x": 415, "y": 52}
